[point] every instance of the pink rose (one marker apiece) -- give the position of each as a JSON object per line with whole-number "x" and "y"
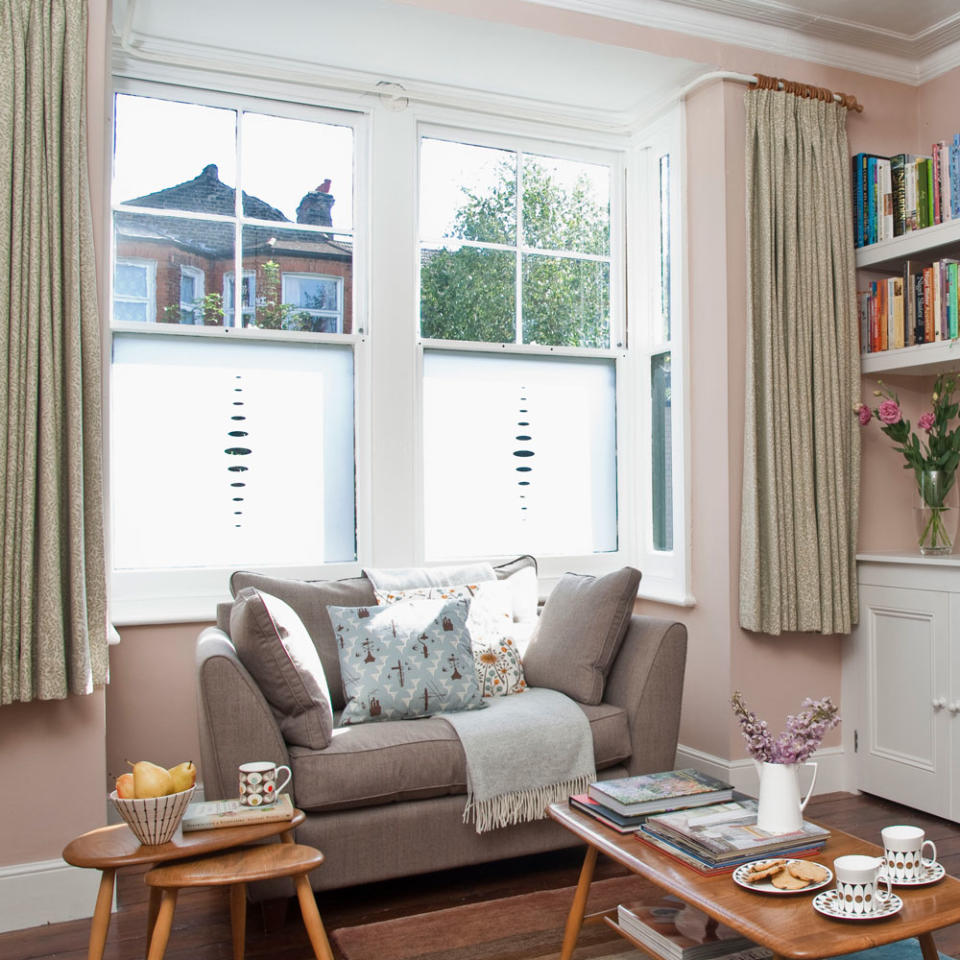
{"x": 926, "y": 421}
{"x": 864, "y": 414}
{"x": 889, "y": 412}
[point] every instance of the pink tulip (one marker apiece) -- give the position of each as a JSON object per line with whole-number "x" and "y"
{"x": 926, "y": 421}
{"x": 864, "y": 414}
{"x": 889, "y": 412}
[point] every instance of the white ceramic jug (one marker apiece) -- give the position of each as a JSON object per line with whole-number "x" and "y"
{"x": 779, "y": 807}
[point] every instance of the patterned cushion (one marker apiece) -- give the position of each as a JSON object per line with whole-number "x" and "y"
{"x": 406, "y": 659}
{"x": 496, "y": 656}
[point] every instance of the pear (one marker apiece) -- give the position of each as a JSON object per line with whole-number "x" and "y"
{"x": 184, "y": 775}
{"x": 125, "y": 786}
{"x": 149, "y": 780}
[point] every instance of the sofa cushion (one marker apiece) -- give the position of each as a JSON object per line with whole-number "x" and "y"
{"x": 309, "y": 600}
{"x": 581, "y": 627}
{"x": 496, "y": 654}
{"x": 521, "y": 574}
{"x": 406, "y": 659}
{"x": 274, "y": 646}
{"x": 408, "y": 578}
{"x": 374, "y": 763}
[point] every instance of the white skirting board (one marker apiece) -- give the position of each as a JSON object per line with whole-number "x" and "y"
{"x": 832, "y": 773}
{"x": 45, "y": 891}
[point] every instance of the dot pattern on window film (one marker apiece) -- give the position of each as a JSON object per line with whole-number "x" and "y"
{"x": 523, "y": 453}
{"x": 237, "y": 452}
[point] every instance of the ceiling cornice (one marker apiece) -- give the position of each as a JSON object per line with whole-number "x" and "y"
{"x": 777, "y": 28}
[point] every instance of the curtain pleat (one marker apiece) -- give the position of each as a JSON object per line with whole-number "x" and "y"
{"x": 801, "y": 447}
{"x": 53, "y": 632}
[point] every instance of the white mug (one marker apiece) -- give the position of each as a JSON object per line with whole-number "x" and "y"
{"x": 858, "y": 884}
{"x": 903, "y": 851}
{"x": 258, "y": 782}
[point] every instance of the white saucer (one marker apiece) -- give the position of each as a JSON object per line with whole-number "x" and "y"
{"x": 826, "y": 903}
{"x": 931, "y": 872}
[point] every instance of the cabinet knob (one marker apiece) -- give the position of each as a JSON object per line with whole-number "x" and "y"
{"x": 939, "y": 702}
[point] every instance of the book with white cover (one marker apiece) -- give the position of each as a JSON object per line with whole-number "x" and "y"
{"x": 207, "y": 814}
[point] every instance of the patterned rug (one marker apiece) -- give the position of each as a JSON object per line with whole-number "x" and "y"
{"x": 525, "y": 927}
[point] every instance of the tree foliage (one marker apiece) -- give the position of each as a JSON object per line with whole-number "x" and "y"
{"x": 470, "y": 293}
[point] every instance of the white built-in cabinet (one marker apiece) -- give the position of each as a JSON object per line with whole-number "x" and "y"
{"x": 902, "y": 682}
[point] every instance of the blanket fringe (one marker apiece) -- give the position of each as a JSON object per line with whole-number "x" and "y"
{"x": 521, "y": 806}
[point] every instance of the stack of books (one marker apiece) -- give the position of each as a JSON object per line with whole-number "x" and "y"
{"x": 625, "y": 804}
{"x": 718, "y": 838}
{"x": 676, "y": 930}
{"x": 209, "y": 814}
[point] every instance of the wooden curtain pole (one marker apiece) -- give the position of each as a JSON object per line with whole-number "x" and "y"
{"x": 807, "y": 91}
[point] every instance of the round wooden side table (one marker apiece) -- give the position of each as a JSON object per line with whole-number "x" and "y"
{"x": 109, "y": 849}
{"x": 235, "y": 870}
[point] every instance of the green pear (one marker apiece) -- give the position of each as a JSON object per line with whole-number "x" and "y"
{"x": 150, "y": 780}
{"x": 184, "y": 775}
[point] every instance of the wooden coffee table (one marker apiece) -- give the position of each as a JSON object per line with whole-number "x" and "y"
{"x": 108, "y": 849}
{"x": 787, "y": 925}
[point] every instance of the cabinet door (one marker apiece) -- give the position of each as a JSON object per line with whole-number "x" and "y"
{"x": 954, "y": 706}
{"x": 902, "y": 656}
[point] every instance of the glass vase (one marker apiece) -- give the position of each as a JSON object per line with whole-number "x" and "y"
{"x": 936, "y": 512}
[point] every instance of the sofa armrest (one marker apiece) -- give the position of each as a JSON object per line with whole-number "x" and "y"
{"x": 646, "y": 680}
{"x": 236, "y": 722}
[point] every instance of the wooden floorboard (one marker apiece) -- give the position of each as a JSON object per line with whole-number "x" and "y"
{"x": 201, "y": 928}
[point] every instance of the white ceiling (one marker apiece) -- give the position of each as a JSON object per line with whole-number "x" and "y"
{"x": 907, "y": 40}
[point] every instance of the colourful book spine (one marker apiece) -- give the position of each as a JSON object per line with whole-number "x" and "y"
{"x": 937, "y": 180}
{"x": 896, "y": 296}
{"x": 952, "y": 305}
{"x": 885, "y": 214}
{"x": 955, "y": 176}
{"x": 929, "y": 321}
{"x": 882, "y": 315}
{"x": 910, "y": 194}
{"x": 871, "y": 200}
{"x": 857, "y": 201}
{"x": 928, "y": 166}
{"x": 946, "y": 202}
{"x": 923, "y": 198}
{"x": 899, "y": 198}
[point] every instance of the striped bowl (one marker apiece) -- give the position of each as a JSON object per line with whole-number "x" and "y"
{"x": 156, "y": 819}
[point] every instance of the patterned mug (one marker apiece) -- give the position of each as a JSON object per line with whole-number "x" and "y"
{"x": 858, "y": 885}
{"x": 258, "y": 782}
{"x": 903, "y": 852}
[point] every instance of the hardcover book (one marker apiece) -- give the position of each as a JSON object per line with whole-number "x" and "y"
{"x": 678, "y": 931}
{"x": 208, "y": 814}
{"x": 669, "y": 790}
{"x": 725, "y": 831}
{"x": 606, "y": 816}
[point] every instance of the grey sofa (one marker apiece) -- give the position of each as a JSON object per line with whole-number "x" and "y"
{"x": 386, "y": 799}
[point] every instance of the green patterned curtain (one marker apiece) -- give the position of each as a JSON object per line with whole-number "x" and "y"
{"x": 53, "y": 602}
{"x": 801, "y": 447}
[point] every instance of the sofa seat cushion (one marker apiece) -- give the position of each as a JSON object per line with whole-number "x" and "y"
{"x": 370, "y": 764}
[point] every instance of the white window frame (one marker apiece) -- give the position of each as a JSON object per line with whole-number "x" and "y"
{"x": 150, "y": 300}
{"x": 247, "y": 313}
{"x": 199, "y": 278}
{"x": 666, "y": 573}
{"x": 550, "y": 567}
{"x": 300, "y": 275}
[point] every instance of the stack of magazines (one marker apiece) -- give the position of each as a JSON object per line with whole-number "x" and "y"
{"x": 717, "y": 838}
{"x": 626, "y": 803}
{"x": 676, "y": 930}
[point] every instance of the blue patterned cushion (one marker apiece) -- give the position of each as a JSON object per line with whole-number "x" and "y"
{"x": 404, "y": 660}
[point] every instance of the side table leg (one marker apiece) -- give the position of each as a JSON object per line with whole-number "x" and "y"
{"x": 311, "y": 918}
{"x": 238, "y": 918}
{"x": 161, "y": 929}
{"x": 153, "y": 908}
{"x": 927, "y": 947}
{"x": 575, "y": 916}
{"x": 100, "y": 924}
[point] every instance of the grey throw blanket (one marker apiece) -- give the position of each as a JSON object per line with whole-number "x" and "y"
{"x": 524, "y": 752}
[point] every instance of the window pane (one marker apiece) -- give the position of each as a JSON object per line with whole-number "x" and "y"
{"x": 566, "y": 205}
{"x": 665, "y": 245}
{"x": 130, "y": 280}
{"x": 519, "y": 455}
{"x": 566, "y": 302}
{"x": 169, "y": 247}
{"x": 468, "y": 192}
{"x": 468, "y": 294}
{"x": 320, "y": 299}
{"x": 231, "y": 453}
{"x": 302, "y": 169}
{"x": 662, "y": 452}
{"x": 174, "y": 156}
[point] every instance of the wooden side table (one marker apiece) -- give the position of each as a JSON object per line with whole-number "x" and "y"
{"x": 235, "y": 870}
{"x": 109, "y": 849}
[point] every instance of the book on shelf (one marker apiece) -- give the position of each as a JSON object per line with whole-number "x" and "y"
{"x": 709, "y": 867}
{"x": 725, "y": 831}
{"x": 668, "y": 790}
{"x": 676, "y": 930}
{"x": 207, "y": 814}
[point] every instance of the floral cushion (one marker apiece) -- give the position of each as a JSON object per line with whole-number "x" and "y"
{"x": 406, "y": 659}
{"x": 496, "y": 655}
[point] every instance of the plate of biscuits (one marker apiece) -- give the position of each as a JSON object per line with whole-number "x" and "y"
{"x": 782, "y": 875}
